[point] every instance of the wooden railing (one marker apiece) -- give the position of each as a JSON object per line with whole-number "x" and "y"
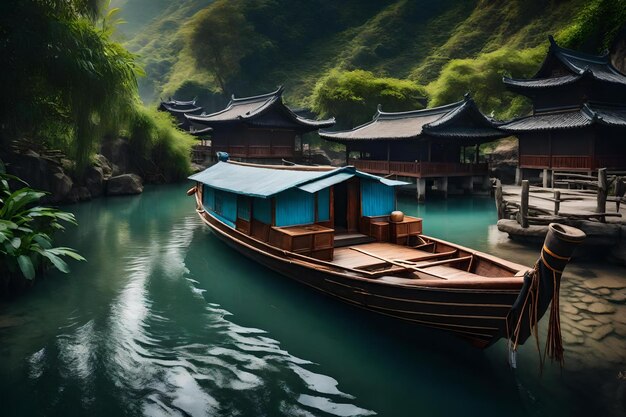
{"x": 534, "y": 161}
{"x": 243, "y": 151}
{"x": 419, "y": 169}
{"x": 572, "y": 162}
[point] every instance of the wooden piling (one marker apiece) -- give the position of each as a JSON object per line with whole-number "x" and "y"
{"x": 499, "y": 200}
{"x": 524, "y": 204}
{"x": 602, "y": 193}
{"x": 557, "y": 202}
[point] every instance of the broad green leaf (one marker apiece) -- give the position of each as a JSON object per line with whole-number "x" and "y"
{"x": 26, "y": 266}
{"x": 43, "y": 240}
{"x": 16, "y": 242}
{"x": 67, "y": 252}
{"x": 56, "y": 261}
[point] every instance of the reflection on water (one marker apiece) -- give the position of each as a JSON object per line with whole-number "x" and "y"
{"x": 165, "y": 320}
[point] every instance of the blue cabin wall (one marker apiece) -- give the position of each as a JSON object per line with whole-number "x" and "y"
{"x": 220, "y": 203}
{"x": 323, "y": 205}
{"x": 377, "y": 199}
{"x": 208, "y": 197}
{"x": 295, "y": 207}
{"x": 243, "y": 207}
{"x": 262, "y": 210}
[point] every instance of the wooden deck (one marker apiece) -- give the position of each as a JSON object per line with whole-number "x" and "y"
{"x": 350, "y": 258}
{"x": 577, "y": 202}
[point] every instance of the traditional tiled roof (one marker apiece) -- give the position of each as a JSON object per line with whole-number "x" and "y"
{"x": 450, "y": 120}
{"x": 578, "y": 117}
{"x": 541, "y": 82}
{"x": 250, "y": 110}
{"x": 578, "y": 64}
{"x": 180, "y": 107}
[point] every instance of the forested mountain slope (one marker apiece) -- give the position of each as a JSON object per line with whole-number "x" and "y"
{"x": 212, "y": 49}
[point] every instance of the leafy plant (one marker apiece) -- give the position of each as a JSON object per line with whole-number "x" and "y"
{"x": 26, "y": 231}
{"x": 158, "y": 149}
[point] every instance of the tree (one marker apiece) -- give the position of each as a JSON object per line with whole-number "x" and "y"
{"x": 63, "y": 78}
{"x": 221, "y": 37}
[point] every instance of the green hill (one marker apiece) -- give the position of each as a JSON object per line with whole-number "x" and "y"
{"x": 212, "y": 49}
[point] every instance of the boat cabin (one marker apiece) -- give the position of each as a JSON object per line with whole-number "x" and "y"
{"x": 306, "y": 210}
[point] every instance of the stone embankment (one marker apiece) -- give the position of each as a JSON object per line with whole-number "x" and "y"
{"x": 110, "y": 175}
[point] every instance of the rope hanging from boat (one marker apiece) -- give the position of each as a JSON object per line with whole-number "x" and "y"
{"x": 554, "y": 342}
{"x": 542, "y": 289}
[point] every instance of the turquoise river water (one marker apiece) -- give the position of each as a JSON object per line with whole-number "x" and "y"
{"x": 164, "y": 320}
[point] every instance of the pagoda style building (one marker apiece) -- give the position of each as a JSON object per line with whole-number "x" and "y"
{"x": 578, "y": 121}
{"x": 427, "y": 145}
{"x": 257, "y": 128}
{"x": 179, "y": 109}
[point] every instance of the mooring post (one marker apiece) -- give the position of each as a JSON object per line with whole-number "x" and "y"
{"x": 557, "y": 202}
{"x": 499, "y": 200}
{"x": 524, "y": 204}
{"x": 602, "y": 193}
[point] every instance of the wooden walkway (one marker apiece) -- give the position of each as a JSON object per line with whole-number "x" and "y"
{"x": 576, "y": 202}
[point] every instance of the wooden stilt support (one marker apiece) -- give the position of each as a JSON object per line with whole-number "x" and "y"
{"x": 557, "y": 202}
{"x": 524, "y": 204}
{"x": 499, "y": 200}
{"x": 602, "y": 193}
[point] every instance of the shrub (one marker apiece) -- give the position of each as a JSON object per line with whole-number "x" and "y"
{"x": 482, "y": 77}
{"x": 352, "y": 96}
{"x": 158, "y": 148}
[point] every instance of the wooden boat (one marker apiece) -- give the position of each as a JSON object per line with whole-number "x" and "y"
{"x": 334, "y": 230}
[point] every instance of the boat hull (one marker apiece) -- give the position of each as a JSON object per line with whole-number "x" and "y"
{"x": 476, "y": 314}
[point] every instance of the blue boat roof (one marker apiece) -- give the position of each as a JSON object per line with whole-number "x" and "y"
{"x": 255, "y": 181}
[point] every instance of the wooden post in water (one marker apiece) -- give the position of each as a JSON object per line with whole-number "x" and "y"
{"x": 499, "y": 200}
{"x": 602, "y": 193}
{"x": 524, "y": 204}
{"x": 557, "y": 202}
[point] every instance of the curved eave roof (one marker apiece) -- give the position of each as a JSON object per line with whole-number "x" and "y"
{"x": 392, "y": 125}
{"x": 476, "y": 133}
{"x": 578, "y": 63}
{"x": 588, "y": 115}
{"x": 201, "y": 132}
{"x": 538, "y": 83}
{"x": 249, "y": 109}
{"x": 437, "y": 121}
{"x": 187, "y": 110}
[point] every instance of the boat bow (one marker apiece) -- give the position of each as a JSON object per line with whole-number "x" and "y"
{"x": 541, "y": 289}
